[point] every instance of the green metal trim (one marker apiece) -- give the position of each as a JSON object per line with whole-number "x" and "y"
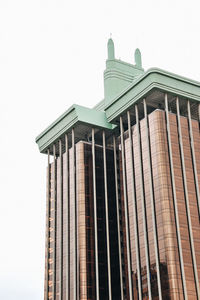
{"x": 100, "y": 105}
{"x": 93, "y": 117}
{"x": 153, "y": 78}
{"x": 71, "y": 118}
{"x": 63, "y": 116}
{"x": 123, "y": 66}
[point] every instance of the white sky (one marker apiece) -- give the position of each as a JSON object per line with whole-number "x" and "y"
{"x": 52, "y": 54}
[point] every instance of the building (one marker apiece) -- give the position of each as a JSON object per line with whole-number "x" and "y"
{"x": 123, "y": 200}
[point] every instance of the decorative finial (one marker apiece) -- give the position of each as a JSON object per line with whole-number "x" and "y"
{"x": 138, "y": 58}
{"x": 111, "y": 49}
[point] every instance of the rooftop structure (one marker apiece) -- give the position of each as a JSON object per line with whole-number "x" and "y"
{"x": 124, "y": 85}
{"x": 123, "y": 199}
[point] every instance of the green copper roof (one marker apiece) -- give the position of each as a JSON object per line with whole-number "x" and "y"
{"x": 75, "y": 115}
{"x": 153, "y": 78}
{"x": 125, "y": 84}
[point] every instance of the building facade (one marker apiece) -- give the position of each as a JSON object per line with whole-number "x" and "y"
{"x": 123, "y": 199}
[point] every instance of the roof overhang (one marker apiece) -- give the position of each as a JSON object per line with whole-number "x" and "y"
{"x": 152, "y": 79}
{"x": 82, "y": 118}
{"x": 72, "y": 118}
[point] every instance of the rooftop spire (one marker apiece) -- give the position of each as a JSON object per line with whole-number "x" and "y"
{"x": 138, "y": 58}
{"x": 111, "y": 49}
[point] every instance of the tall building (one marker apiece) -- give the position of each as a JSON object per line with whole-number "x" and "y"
{"x": 123, "y": 199}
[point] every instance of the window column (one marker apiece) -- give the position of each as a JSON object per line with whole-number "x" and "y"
{"x": 107, "y": 217}
{"x": 118, "y": 218}
{"x": 126, "y": 211}
{"x": 67, "y": 268}
{"x": 135, "y": 217}
{"x": 153, "y": 208}
{"x": 187, "y": 201}
{"x": 95, "y": 216}
{"x": 143, "y": 203}
{"x": 175, "y": 198}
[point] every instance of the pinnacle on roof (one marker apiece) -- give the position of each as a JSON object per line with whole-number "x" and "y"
{"x": 138, "y": 58}
{"x": 111, "y": 49}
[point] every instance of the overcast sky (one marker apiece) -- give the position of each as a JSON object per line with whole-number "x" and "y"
{"x": 52, "y": 54}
